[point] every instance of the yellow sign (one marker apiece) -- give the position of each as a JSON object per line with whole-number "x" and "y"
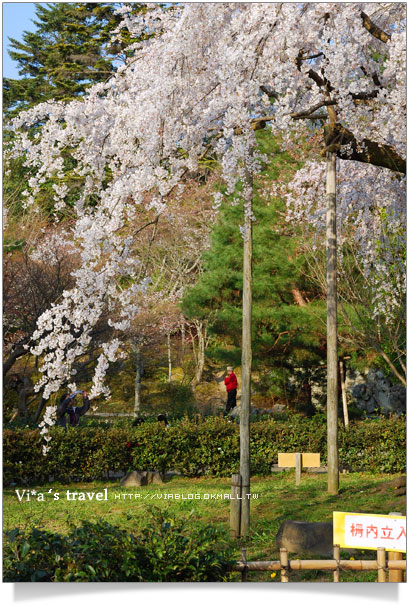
{"x": 370, "y": 531}
{"x": 309, "y": 459}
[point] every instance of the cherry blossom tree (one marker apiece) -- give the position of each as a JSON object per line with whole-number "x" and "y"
{"x": 204, "y": 79}
{"x": 371, "y": 226}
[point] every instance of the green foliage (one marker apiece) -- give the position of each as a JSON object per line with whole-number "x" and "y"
{"x": 167, "y": 549}
{"x": 180, "y": 399}
{"x": 196, "y": 447}
{"x": 181, "y": 551}
{"x": 375, "y": 444}
{"x": 69, "y": 50}
{"x": 284, "y": 334}
{"x": 35, "y": 555}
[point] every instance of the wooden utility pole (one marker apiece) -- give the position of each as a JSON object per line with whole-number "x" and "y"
{"x": 169, "y": 356}
{"x": 332, "y": 353}
{"x": 344, "y": 394}
{"x": 136, "y": 345}
{"x": 235, "y": 506}
{"x": 183, "y": 339}
{"x": 246, "y": 358}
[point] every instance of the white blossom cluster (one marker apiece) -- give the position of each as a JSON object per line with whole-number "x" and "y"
{"x": 371, "y": 205}
{"x": 48, "y": 421}
{"x": 191, "y": 88}
{"x": 51, "y": 249}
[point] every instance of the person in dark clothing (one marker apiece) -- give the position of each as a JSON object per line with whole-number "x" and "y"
{"x": 74, "y": 412}
{"x": 231, "y": 385}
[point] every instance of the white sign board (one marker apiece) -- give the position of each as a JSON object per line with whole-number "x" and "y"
{"x": 370, "y": 531}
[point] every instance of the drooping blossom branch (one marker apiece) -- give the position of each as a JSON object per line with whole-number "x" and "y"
{"x": 193, "y": 86}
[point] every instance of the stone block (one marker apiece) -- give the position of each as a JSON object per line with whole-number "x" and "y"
{"x": 306, "y": 537}
{"x": 154, "y": 477}
{"x": 134, "y": 478}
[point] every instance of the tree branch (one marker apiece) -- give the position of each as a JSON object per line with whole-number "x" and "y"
{"x": 370, "y": 152}
{"x": 18, "y": 351}
{"x": 374, "y": 30}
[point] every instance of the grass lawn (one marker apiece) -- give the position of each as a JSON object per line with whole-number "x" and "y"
{"x": 278, "y": 499}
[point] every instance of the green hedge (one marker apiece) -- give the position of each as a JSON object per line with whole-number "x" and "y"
{"x": 196, "y": 447}
{"x": 167, "y": 549}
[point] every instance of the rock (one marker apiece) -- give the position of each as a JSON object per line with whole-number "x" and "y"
{"x": 373, "y": 392}
{"x": 402, "y": 481}
{"x": 134, "y": 478}
{"x": 360, "y": 392}
{"x": 306, "y": 537}
{"x": 276, "y": 409}
{"x": 397, "y": 399}
{"x": 141, "y": 478}
{"x": 256, "y": 411}
{"x": 115, "y": 475}
{"x": 400, "y": 492}
{"x": 154, "y": 477}
{"x": 400, "y": 486}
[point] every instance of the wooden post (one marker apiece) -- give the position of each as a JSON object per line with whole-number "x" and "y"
{"x": 169, "y": 356}
{"x": 183, "y": 339}
{"x": 245, "y": 569}
{"x": 284, "y": 565}
{"x": 332, "y": 354}
{"x": 381, "y": 564}
{"x": 137, "y": 382}
{"x": 336, "y": 556}
{"x": 235, "y": 506}
{"x": 298, "y": 464}
{"x": 395, "y": 576}
{"x": 344, "y": 395}
{"x": 246, "y": 357}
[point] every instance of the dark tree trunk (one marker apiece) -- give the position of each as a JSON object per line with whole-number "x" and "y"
{"x": 26, "y": 390}
{"x": 39, "y": 409}
{"x": 17, "y": 352}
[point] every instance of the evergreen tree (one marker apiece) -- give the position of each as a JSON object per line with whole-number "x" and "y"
{"x": 286, "y": 332}
{"x": 70, "y": 50}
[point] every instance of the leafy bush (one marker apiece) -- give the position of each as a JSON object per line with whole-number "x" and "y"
{"x": 35, "y": 555}
{"x": 181, "y": 551}
{"x": 197, "y": 447}
{"x": 168, "y": 549}
{"x": 180, "y": 399}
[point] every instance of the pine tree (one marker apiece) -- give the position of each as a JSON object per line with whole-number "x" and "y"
{"x": 70, "y": 50}
{"x": 286, "y": 333}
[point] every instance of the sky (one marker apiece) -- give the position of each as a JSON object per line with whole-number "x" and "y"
{"x": 17, "y": 18}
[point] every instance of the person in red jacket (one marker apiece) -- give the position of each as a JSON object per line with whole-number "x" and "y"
{"x": 231, "y": 385}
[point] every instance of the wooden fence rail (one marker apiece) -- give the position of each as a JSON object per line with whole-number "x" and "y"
{"x": 381, "y": 564}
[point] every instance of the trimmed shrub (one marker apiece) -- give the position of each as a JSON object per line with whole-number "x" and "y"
{"x": 167, "y": 550}
{"x": 197, "y": 447}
